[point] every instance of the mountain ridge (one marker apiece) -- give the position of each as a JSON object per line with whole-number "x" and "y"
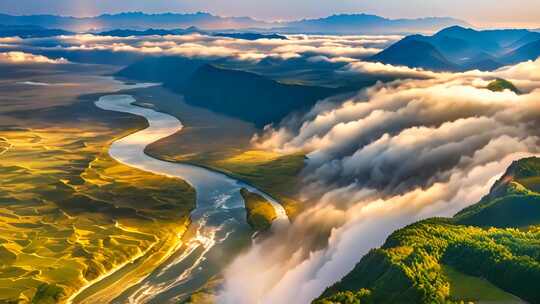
{"x": 497, "y": 239}
{"x": 463, "y": 49}
{"x": 339, "y": 23}
{"x": 245, "y": 95}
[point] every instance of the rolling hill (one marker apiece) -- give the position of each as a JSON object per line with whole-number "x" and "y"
{"x": 244, "y": 95}
{"x": 248, "y": 96}
{"x": 495, "y": 244}
{"x": 171, "y": 70}
{"x": 462, "y": 49}
{"x": 414, "y": 53}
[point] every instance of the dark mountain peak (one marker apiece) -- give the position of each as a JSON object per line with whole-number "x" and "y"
{"x": 456, "y": 29}
{"x": 467, "y": 49}
{"x": 523, "y": 168}
{"x": 413, "y": 51}
{"x": 413, "y": 40}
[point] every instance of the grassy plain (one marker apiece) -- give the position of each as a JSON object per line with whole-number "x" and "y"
{"x": 69, "y": 214}
{"x": 260, "y": 212}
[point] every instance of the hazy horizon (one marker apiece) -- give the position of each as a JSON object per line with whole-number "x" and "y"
{"x": 526, "y": 13}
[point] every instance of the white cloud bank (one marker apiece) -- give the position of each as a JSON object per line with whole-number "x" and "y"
{"x": 27, "y": 58}
{"x": 393, "y": 154}
{"x": 198, "y": 45}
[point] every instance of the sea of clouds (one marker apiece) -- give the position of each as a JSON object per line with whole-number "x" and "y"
{"x": 426, "y": 144}
{"x": 393, "y": 154}
{"x": 205, "y": 46}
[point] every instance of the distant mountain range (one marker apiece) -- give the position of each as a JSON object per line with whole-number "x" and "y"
{"x": 250, "y": 36}
{"x": 336, "y": 24}
{"x": 191, "y": 30}
{"x": 133, "y": 20}
{"x": 457, "y": 48}
{"x": 369, "y": 24}
{"x": 29, "y": 31}
{"x": 248, "y": 96}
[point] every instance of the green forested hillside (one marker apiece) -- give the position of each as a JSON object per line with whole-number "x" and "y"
{"x": 493, "y": 245}
{"x": 499, "y": 85}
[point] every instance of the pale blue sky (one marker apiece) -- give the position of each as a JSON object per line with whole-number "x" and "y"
{"x": 487, "y": 13}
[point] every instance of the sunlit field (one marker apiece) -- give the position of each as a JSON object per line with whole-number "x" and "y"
{"x": 70, "y": 215}
{"x": 275, "y": 173}
{"x": 306, "y": 152}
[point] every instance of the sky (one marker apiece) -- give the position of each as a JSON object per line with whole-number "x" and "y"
{"x": 481, "y": 13}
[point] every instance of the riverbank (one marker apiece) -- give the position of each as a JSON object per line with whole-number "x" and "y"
{"x": 202, "y": 143}
{"x": 218, "y": 217}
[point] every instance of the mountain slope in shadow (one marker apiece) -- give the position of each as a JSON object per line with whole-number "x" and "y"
{"x": 249, "y": 96}
{"x": 244, "y": 95}
{"x": 458, "y": 49}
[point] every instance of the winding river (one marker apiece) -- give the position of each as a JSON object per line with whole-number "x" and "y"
{"x": 218, "y": 221}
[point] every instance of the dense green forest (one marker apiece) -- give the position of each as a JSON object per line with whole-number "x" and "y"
{"x": 495, "y": 243}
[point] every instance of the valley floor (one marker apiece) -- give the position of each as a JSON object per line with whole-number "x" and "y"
{"x": 223, "y": 144}
{"x": 69, "y": 214}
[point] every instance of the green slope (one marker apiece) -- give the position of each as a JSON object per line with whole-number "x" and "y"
{"x": 499, "y": 85}
{"x": 260, "y": 212}
{"x": 486, "y": 253}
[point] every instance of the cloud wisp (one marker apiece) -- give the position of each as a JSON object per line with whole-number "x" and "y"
{"x": 16, "y": 57}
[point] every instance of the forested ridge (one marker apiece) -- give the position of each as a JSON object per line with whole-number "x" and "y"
{"x": 497, "y": 240}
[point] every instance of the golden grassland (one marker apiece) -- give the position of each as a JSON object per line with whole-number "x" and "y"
{"x": 70, "y": 215}
{"x": 274, "y": 173}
